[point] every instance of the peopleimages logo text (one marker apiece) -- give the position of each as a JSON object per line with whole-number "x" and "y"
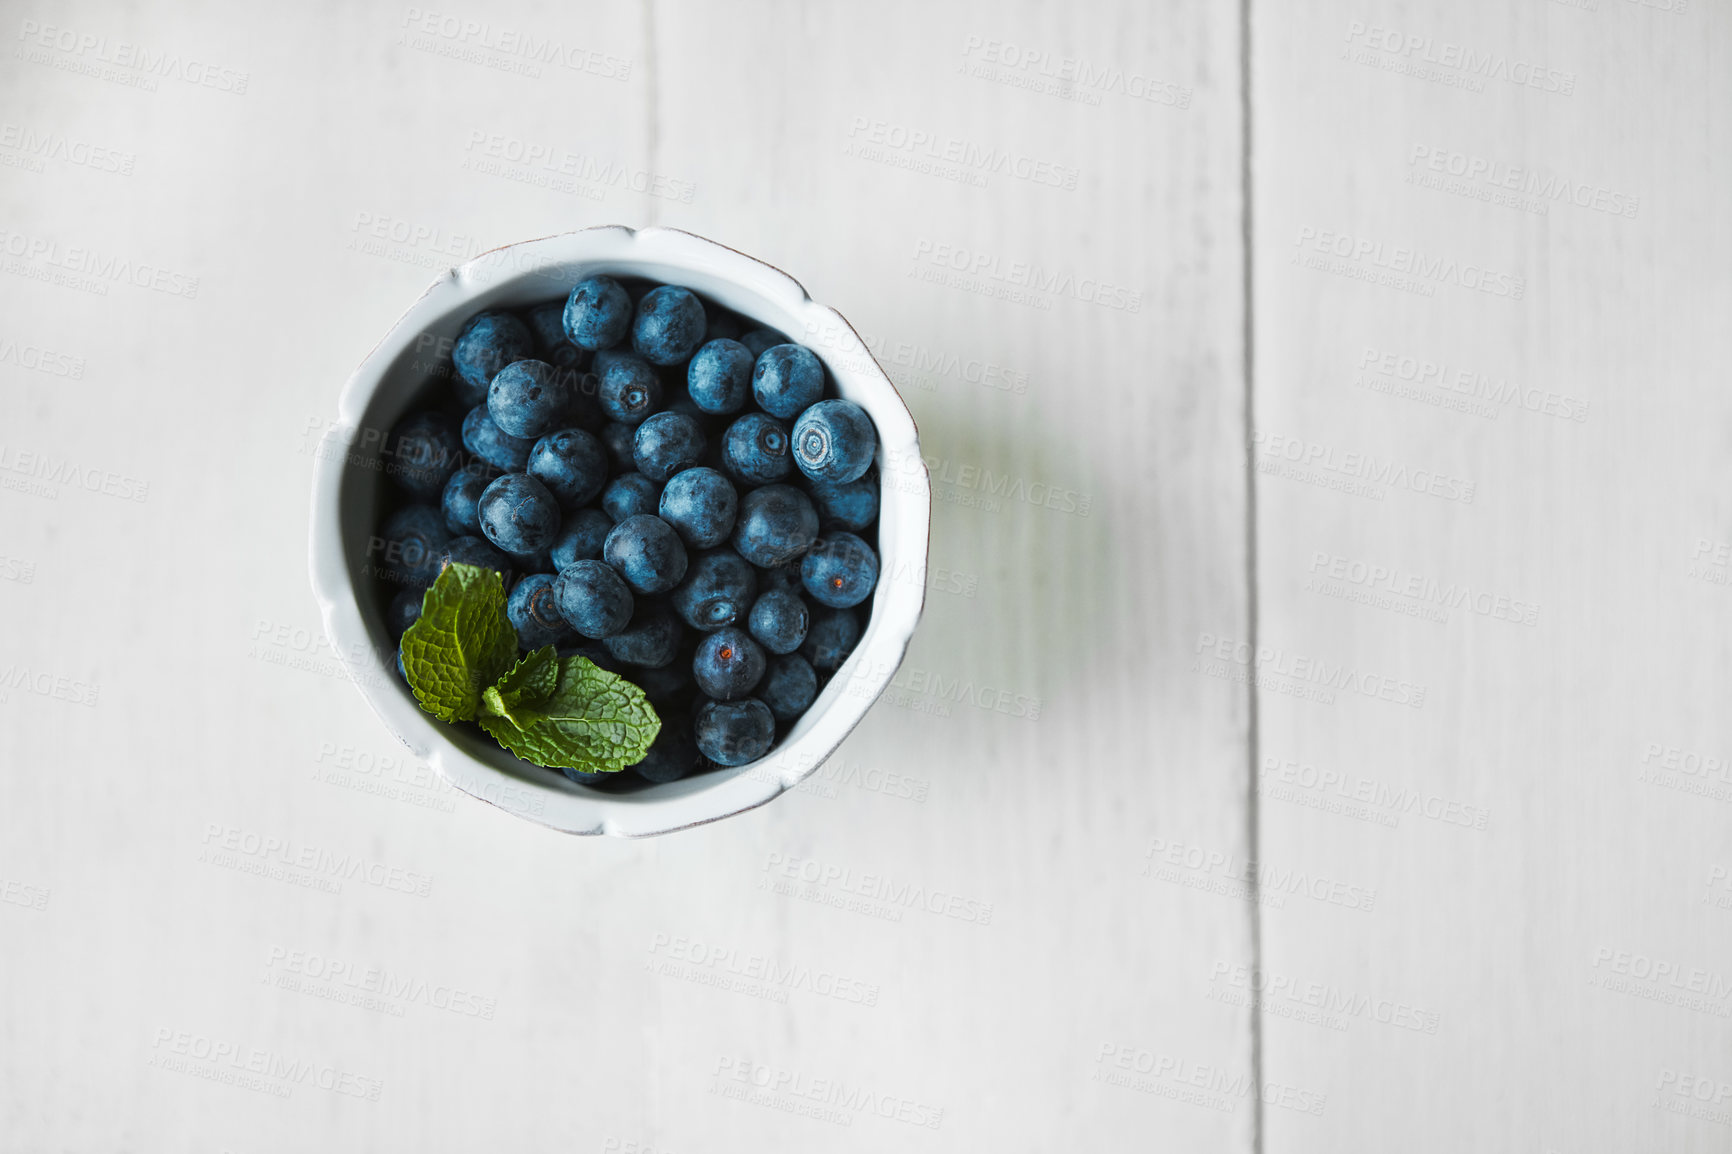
{"x": 972, "y": 157}
{"x": 93, "y": 263}
{"x": 101, "y": 50}
{"x": 878, "y": 887}
{"x": 371, "y": 979}
{"x": 1439, "y": 374}
{"x": 1447, "y": 54}
{"x": 1269, "y": 878}
{"x": 1019, "y": 274}
{"x": 1280, "y": 772}
{"x": 340, "y": 867}
{"x": 259, "y": 1062}
{"x": 41, "y": 145}
{"x": 1272, "y": 990}
{"x": 1410, "y": 262}
{"x": 837, "y": 1092}
{"x": 63, "y": 471}
{"x": 764, "y": 970}
{"x": 40, "y": 360}
{"x": 1074, "y": 72}
{"x": 1362, "y": 467}
{"x": 1393, "y": 580}
{"x": 527, "y": 46}
{"x": 1271, "y": 661}
{"x": 902, "y": 466}
{"x": 1497, "y": 174}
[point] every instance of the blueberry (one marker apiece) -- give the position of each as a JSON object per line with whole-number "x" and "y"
{"x": 789, "y": 686}
{"x": 572, "y": 464}
{"x": 728, "y": 664}
{"x": 755, "y": 450}
{"x": 546, "y": 323}
{"x": 684, "y": 405}
{"x": 831, "y": 638}
{"x": 719, "y": 378}
{"x": 527, "y": 398}
{"x": 580, "y": 538}
{"x": 534, "y": 612}
{"x": 785, "y": 578}
{"x": 669, "y": 326}
{"x": 840, "y": 571}
{"x": 776, "y": 524}
{"x": 424, "y": 453}
{"x": 592, "y": 599}
{"x": 629, "y": 495}
{"x": 518, "y": 514}
{"x": 778, "y": 621}
{"x": 596, "y": 655}
{"x": 407, "y": 549}
{"x": 597, "y": 313}
{"x": 493, "y": 444}
{"x": 470, "y": 550}
{"x": 852, "y": 506}
{"x": 717, "y": 590}
{"x": 603, "y": 780}
{"x": 787, "y": 379}
{"x": 647, "y": 552}
{"x": 757, "y": 341}
{"x": 621, "y": 442}
{"x": 673, "y": 755}
{"x": 651, "y": 639}
{"x": 720, "y": 324}
{"x": 462, "y": 494}
{"x": 667, "y": 443}
{"x": 489, "y": 342}
{"x": 700, "y": 504}
{"x": 669, "y": 683}
{"x": 629, "y": 389}
{"x": 582, "y": 389}
{"x": 540, "y": 561}
{"x": 403, "y": 611}
{"x": 834, "y": 442}
{"x": 734, "y": 732}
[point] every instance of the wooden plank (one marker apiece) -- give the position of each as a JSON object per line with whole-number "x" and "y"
{"x": 1489, "y": 317}
{"x": 862, "y": 145}
{"x": 1050, "y": 730}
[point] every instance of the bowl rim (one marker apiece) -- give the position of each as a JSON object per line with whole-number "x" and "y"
{"x": 545, "y": 796}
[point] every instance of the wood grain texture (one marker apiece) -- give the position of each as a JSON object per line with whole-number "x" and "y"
{"x": 1052, "y": 726}
{"x": 1493, "y": 877}
{"x": 1553, "y": 620}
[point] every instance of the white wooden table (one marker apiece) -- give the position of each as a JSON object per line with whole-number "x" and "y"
{"x": 1316, "y": 737}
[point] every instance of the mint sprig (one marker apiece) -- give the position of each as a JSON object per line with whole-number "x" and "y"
{"x": 559, "y": 713}
{"x": 569, "y": 713}
{"x": 461, "y": 644}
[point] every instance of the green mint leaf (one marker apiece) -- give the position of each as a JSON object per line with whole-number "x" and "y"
{"x": 530, "y": 682}
{"x": 592, "y": 720}
{"x": 462, "y": 642}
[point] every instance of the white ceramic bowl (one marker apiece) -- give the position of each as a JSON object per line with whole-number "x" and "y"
{"x": 349, "y": 489}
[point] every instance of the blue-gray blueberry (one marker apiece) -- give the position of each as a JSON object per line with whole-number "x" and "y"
{"x": 734, "y": 732}
{"x": 593, "y": 599}
{"x": 597, "y": 313}
{"x": 717, "y": 590}
{"x": 647, "y": 552}
{"x": 834, "y": 442}
{"x": 775, "y": 525}
{"x": 518, "y": 514}
{"x": 669, "y": 325}
{"x": 787, "y": 379}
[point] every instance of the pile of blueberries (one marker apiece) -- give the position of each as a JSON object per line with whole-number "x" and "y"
{"x": 667, "y": 490}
